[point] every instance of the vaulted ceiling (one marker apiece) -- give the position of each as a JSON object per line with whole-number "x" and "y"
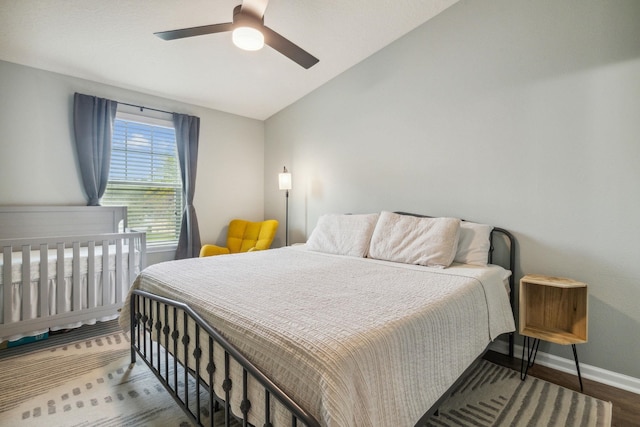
{"x": 112, "y": 42}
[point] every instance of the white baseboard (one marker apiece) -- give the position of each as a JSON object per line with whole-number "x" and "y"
{"x": 591, "y": 372}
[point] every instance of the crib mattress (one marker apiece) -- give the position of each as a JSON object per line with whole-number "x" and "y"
{"x": 52, "y": 259}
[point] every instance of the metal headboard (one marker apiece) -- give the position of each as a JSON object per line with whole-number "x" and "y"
{"x": 497, "y": 234}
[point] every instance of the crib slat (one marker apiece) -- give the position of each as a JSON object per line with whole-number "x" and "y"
{"x": 132, "y": 263}
{"x": 119, "y": 270}
{"x": 26, "y": 282}
{"x": 6, "y": 284}
{"x": 75, "y": 266}
{"x": 60, "y": 278}
{"x": 91, "y": 274}
{"x": 142, "y": 248}
{"x": 43, "y": 290}
{"x": 105, "y": 273}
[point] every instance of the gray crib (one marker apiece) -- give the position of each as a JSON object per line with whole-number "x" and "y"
{"x": 91, "y": 262}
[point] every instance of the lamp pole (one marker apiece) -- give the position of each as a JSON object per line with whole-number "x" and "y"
{"x": 284, "y": 183}
{"x": 286, "y": 224}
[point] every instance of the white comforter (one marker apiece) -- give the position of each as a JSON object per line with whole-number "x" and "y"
{"x": 356, "y": 342}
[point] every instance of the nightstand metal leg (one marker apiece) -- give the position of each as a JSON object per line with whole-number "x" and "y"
{"x": 532, "y": 352}
{"x": 531, "y": 346}
{"x": 575, "y": 357}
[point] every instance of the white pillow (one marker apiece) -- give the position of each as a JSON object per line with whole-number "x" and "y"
{"x": 343, "y": 234}
{"x": 474, "y": 243}
{"x": 413, "y": 240}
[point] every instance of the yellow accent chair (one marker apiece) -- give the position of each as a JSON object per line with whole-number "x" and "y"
{"x": 245, "y": 236}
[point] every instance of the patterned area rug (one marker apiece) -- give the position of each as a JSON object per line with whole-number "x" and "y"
{"x": 87, "y": 383}
{"x": 495, "y": 396}
{"x": 90, "y": 383}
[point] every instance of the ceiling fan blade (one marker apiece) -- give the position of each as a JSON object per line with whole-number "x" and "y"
{"x": 255, "y": 7}
{"x": 194, "y": 31}
{"x": 289, "y": 49}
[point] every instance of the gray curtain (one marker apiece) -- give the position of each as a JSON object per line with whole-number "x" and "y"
{"x": 187, "y": 134}
{"x": 93, "y": 124}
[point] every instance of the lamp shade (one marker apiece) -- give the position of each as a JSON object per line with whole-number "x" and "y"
{"x": 284, "y": 180}
{"x": 248, "y": 38}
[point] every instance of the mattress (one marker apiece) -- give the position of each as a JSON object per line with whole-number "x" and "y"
{"x": 357, "y": 342}
{"x": 56, "y": 305}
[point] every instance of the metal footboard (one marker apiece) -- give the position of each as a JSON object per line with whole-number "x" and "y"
{"x": 190, "y": 358}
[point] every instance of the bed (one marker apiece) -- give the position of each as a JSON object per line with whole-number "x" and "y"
{"x": 359, "y": 327}
{"x": 91, "y": 261}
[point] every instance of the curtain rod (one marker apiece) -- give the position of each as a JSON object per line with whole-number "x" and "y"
{"x": 142, "y": 107}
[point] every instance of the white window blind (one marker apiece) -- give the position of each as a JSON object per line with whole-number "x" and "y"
{"x": 145, "y": 177}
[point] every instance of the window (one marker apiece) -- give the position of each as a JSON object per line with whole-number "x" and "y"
{"x": 145, "y": 177}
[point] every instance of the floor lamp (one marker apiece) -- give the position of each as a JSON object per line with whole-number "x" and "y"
{"x": 284, "y": 182}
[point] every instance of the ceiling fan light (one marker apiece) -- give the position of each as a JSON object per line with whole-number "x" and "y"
{"x": 248, "y": 38}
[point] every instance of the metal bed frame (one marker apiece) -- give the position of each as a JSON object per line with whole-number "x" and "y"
{"x": 143, "y": 324}
{"x": 512, "y": 261}
{"x": 148, "y": 311}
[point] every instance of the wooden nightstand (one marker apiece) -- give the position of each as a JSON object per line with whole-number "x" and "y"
{"x": 553, "y": 309}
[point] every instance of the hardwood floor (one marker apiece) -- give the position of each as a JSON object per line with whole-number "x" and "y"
{"x": 626, "y": 405}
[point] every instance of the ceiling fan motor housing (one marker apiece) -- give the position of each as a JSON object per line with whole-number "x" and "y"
{"x": 246, "y": 19}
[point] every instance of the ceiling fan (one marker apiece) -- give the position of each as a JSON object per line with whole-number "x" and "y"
{"x": 249, "y": 33}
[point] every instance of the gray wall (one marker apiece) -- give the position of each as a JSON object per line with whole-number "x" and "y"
{"x": 38, "y": 165}
{"x": 522, "y": 114}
